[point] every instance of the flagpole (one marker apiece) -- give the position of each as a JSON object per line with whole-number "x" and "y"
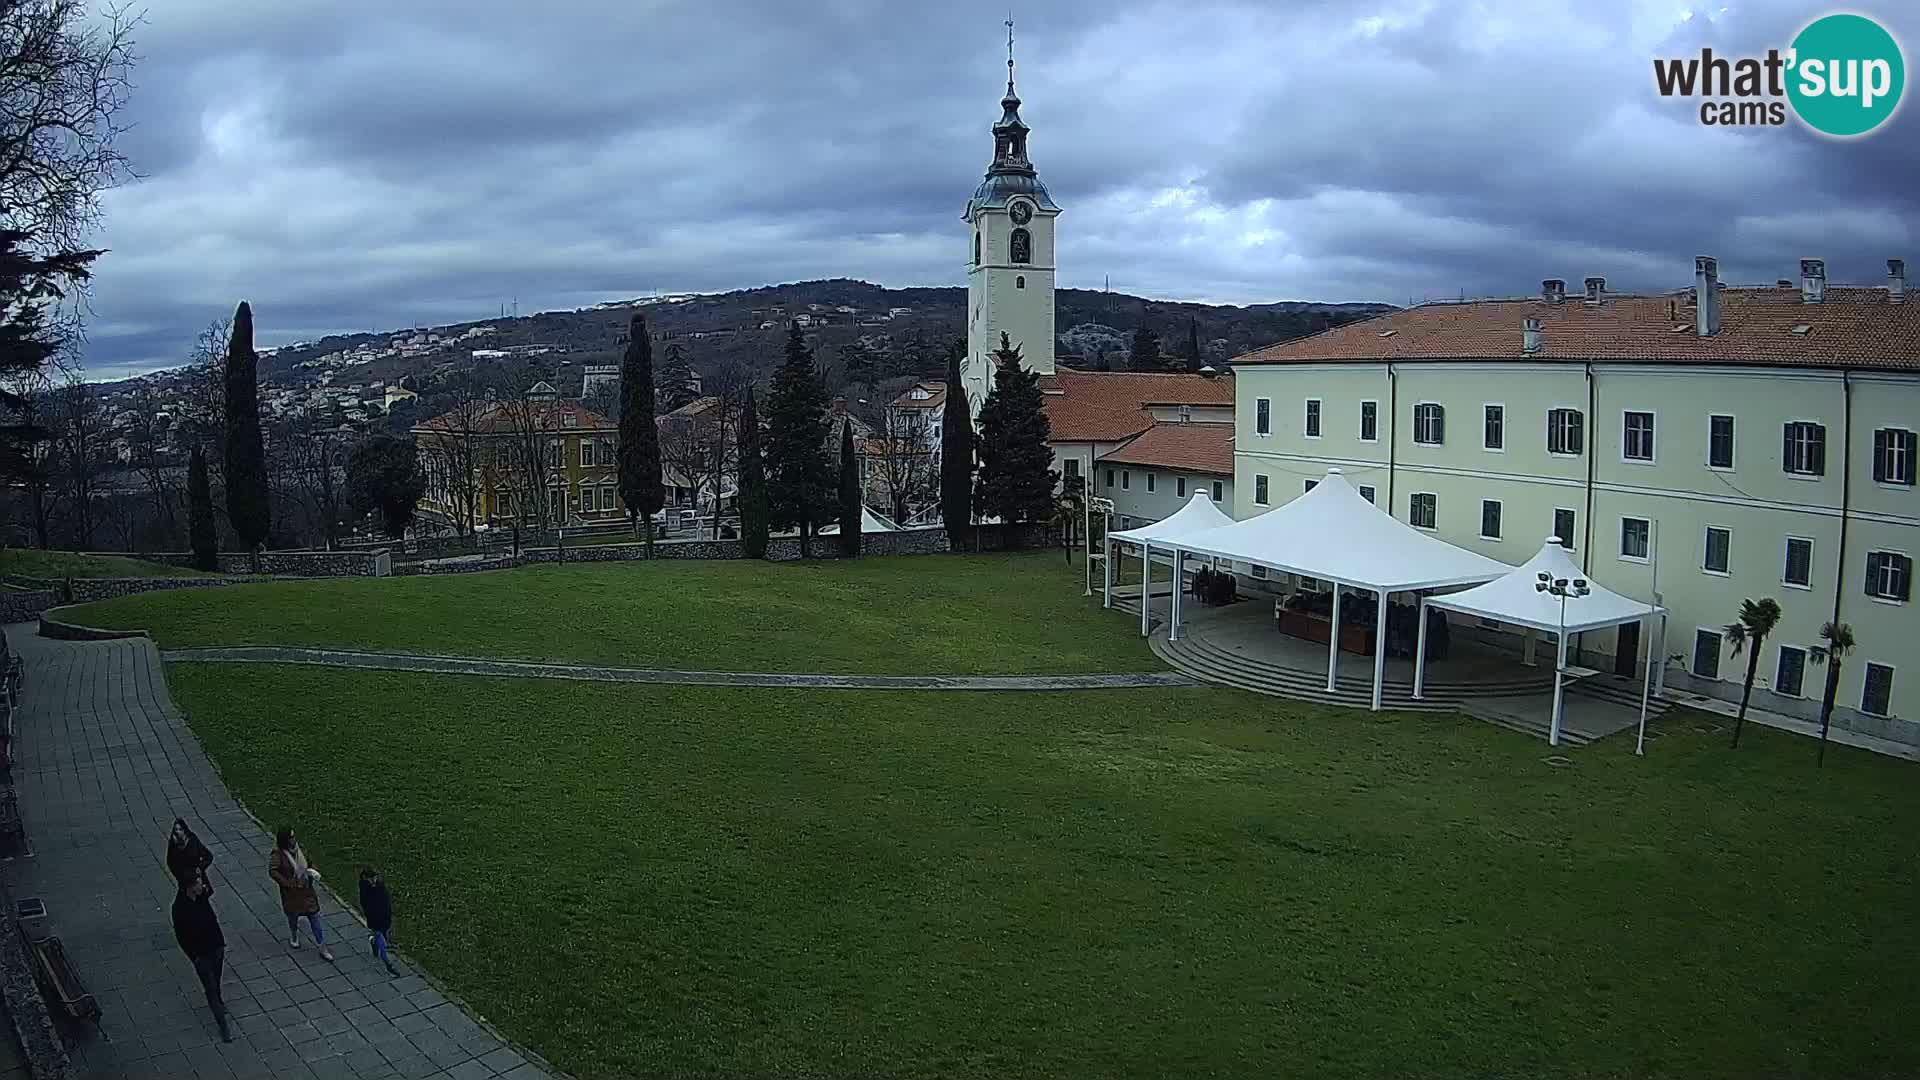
{"x": 1646, "y": 684}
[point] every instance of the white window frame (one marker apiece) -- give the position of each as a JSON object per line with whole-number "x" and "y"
{"x": 1786, "y": 560}
{"x": 1262, "y": 490}
{"x": 1623, "y": 556}
{"x": 1413, "y": 498}
{"x": 1897, "y": 485}
{"x": 1256, "y": 571}
{"x": 1570, "y": 543}
{"x": 1126, "y": 480}
{"x": 1719, "y": 660}
{"x": 1150, "y": 485}
{"x": 1179, "y": 487}
{"x": 1442, "y": 417}
{"x": 1653, "y": 437}
{"x": 1576, "y": 411}
{"x": 586, "y": 453}
{"x": 1779, "y": 656}
{"x": 1809, "y": 476}
{"x": 1870, "y": 583}
{"x": 1892, "y": 674}
{"x": 1263, "y": 417}
{"x": 606, "y": 497}
{"x": 1485, "y": 406}
{"x": 1733, "y": 456}
{"x": 1706, "y": 549}
{"x": 1500, "y": 512}
{"x": 1313, "y": 418}
{"x": 1375, "y": 437}
{"x": 1219, "y": 489}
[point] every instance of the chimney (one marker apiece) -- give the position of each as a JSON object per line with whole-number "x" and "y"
{"x": 1896, "y": 281}
{"x": 1813, "y": 280}
{"x": 1596, "y": 289}
{"x": 1554, "y": 290}
{"x": 1706, "y": 295}
{"x": 1530, "y": 336}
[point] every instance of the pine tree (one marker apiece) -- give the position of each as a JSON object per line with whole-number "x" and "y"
{"x": 956, "y": 453}
{"x": 673, "y": 385}
{"x": 800, "y": 481}
{"x": 753, "y": 483}
{"x": 640, "y": 483}
{"x": 1146, "y": 351}
{"x": 384, "y": 478}
{"x": 850, "y": 501}
{"x": 247, "y": 506}
{"x": 1194, "y": 363}
{"x": 200, "y": 528}
{"x": 1016, "y": 478}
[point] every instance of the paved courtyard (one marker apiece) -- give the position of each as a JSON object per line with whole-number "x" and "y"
{"x": 103, "y": 764}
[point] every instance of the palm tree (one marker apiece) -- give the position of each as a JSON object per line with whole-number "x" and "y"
{"x": 1755, "y": 623}
{"x": 1839, "y": 642}
{"x": 1068, "y": 507}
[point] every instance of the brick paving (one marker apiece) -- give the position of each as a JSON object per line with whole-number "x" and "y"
{"x": 102, "y": 764}
{"x": 467, "y": 665}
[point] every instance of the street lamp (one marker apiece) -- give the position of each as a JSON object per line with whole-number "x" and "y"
{"x": 1562, "y": 588}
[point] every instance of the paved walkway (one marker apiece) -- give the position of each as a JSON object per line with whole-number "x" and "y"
{"x": 464, "y": 665}
{"x": 103, "y": 763}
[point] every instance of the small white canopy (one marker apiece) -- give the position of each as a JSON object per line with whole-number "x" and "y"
{"x": 1332, "y": 532}
{"x": 870, "y": 522}
{"x": 1514, "y": 599}
{"x": 1198, "y": 514}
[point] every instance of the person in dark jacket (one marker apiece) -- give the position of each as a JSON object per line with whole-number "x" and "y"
{"x": 299, "y": 892}
{"x": 377, "y": 905}
{"x": 187, "y": 857}
{"x": 197, "y": 929}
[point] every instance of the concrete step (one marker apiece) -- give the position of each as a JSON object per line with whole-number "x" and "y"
{"x": 1356, "y": 677}
{"x": 1283, "y": 683}
{"x": 1526, "y": 725}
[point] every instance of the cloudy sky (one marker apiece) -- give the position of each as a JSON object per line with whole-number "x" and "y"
{"x": 351, "y": 165}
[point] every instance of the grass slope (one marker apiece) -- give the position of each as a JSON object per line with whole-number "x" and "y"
{"x": 681, "y": 881}
{"x": 962, "y": 614}
{"x": 32, "y": 562}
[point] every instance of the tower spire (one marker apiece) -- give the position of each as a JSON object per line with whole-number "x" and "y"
{"x": 1010, "y": 54}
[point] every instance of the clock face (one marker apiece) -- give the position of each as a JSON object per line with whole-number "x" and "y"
{"x": 1022, "y": 213}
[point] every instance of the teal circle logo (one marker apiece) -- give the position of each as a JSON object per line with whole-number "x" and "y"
{"x": 1846, "y": 75}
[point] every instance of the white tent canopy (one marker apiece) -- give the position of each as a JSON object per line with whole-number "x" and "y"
{"x": 1514, "y": 598}
{"x": 1523, "y": 597}
{"x": 870, "y": 522}
{"x": 1333, "y": 532}
{"x": 1197, "y": 515}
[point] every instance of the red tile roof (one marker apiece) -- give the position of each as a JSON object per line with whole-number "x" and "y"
{"x": 1108, "y": 406}
{"x": 936, "y": 399}
{"x": 1855, "y": 327}
{"x": 1202, "y": 448}
{"x": 496, "y": 420}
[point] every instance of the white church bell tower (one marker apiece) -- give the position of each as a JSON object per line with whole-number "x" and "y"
{"x": 1010, "y": 268}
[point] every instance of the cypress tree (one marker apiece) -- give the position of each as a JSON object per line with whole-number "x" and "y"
{"x": 753, "y": 483}
{"x": 246, "y": 455}
{"x": 1194, "y": 363}
{"x": 675, "y": 385}
{"x": 850, "y": 501}
{"x": 639, "y": 459}
{"x": 1146, "y": 351}
{"x": 956, "y": 453}
{"x": 1016, "y": 475}
{"x": 200, "y": 529}
{"x": 800, "y": 482}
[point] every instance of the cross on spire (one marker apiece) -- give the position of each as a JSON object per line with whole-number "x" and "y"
{"x": 1009, "y": 52}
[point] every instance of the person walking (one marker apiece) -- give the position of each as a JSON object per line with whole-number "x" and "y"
{"x": 299, "y": 895}
{"x": 377, "y": 905}
{"x": 197, "y": 929}
{"x": 187, "y": 857}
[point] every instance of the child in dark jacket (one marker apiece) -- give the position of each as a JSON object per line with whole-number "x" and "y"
{"x": 378, "y": 907}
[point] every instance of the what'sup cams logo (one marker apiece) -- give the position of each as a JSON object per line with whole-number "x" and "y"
{"x": 1843, "y": 76}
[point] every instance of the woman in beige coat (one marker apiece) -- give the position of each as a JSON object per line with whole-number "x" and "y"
{"x": 299, "y": 894}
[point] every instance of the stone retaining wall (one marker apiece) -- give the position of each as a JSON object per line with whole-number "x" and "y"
{"x": 25, "y": 605}
{"x": 291, "y": 563}
{"x": 86, "y": 590}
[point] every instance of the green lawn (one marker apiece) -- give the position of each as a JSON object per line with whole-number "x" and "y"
{"x": 963, "y": 614}
{"x": 682, "y": 881}
{"x": 32, "y": 562}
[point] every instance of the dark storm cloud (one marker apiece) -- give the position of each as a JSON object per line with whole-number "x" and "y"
{"x": 363, "y": 165}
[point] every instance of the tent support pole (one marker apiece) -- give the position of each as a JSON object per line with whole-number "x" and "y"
{"x": 1646, "y": 689}
{"x": 1526, "y": 652}
{"x": 1559, "y": 674}
{"x": 1380, "y": 650}
{"x": 1106, "y": 572}
{"x": 1173, "y": 617}
{"x": 1146, "y": 586}
{"x": 1333, "y": 641}
{"x": 1420, "y": 655}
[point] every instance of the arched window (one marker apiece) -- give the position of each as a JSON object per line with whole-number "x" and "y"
{"x": 1022, "y": 246}
{"x": 1020, "y": 282}
{"x": 976, "y": 247}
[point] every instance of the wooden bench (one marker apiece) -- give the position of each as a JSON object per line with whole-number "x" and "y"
{"x": 59, "y": 982}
